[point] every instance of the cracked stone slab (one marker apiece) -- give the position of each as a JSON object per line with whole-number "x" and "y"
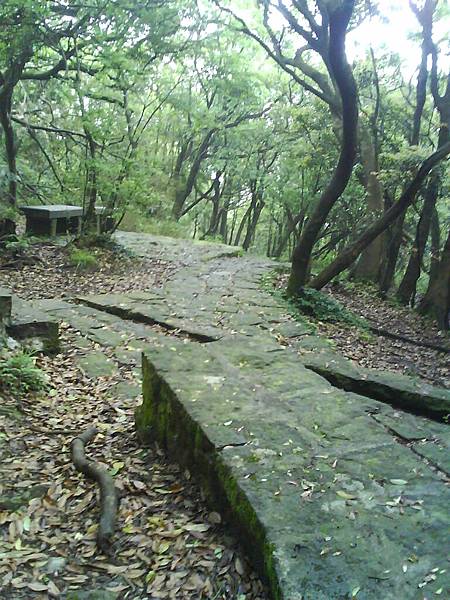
{"x": 147, "y": 313}
{"x": 393, "y": 388}
{"x": 326, "y": 499}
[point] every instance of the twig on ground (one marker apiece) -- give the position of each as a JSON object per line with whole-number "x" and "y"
{"x": 109, "y": 499}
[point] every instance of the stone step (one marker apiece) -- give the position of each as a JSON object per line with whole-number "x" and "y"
{"x": 5, "y": 307}
{"x": 398, "y": 390}
{"x": 33, "y": 327}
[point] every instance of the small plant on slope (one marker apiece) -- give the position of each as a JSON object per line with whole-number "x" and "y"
{"x": 19, "y": 374}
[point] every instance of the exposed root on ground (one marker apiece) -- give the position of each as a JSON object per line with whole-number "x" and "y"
{"x": 109, "y": 498}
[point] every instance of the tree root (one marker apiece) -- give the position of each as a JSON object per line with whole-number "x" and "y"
{"x": 109, "y": 498}
{"x": 408, "y": 340}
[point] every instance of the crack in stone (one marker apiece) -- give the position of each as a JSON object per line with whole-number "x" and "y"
{"x": 235, "y": 445}
{"x": 405, "y": 441}
{"x": 127, "y": 315}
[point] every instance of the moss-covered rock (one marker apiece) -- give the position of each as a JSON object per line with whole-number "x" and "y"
{"x": 308, "y": 478}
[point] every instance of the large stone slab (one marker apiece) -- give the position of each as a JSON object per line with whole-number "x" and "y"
{"x": 399, "y": 390}
{"x": 129, "y": 308}
{"x": 329, "y": 501}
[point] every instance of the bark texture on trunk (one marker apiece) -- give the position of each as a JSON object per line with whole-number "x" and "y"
{"x": 368, "y": 267}
{"x": 436, "y": 301}
{"x": 407, "y": 289}
{"x": 339, "y": 19}
{"x": 10, "y": 148}
{"x": 351, "y": 252}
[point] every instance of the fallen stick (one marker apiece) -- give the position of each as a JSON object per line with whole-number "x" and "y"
{"x": 109, "y": 498}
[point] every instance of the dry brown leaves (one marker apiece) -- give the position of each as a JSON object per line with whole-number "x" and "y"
{"x": 380, "y": 352}
{"x": 52, "y": 275}
{"x": 168, "y": 545}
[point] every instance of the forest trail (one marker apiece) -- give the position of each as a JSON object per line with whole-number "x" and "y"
{"x": 334, "y": 494}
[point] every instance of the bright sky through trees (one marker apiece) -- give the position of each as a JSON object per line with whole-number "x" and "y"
{"x": 393, "y": 32}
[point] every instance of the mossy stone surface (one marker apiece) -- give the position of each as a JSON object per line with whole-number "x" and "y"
{"x": 96, "y": 364}
{"x": 310, "y": 480}
{"x": 399, "y": 390}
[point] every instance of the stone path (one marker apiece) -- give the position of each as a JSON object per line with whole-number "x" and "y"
{"x": 335, "y": 495}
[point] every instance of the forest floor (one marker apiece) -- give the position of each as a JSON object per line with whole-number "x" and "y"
{"x": 406, "y": 356}
{"x": 181, "y": 544}
{"x": 381, "y": 352}
{"x": 166, "y": 539}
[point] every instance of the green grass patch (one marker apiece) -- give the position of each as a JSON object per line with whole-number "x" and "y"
{"x": 82, "y": 259}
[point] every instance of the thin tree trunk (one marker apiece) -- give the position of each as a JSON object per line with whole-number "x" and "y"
{"x": 407, "y": 288}
{"x": 253, "y": 219}
{"x": 241, "y": 226}
{"x": 392, "y": 251}
{"x": 182, "y": 192}
{"x": 233, "y": 227}
{"x": 368, "y": 267}
{"x": 10, "y": 148}
{"x": 290, "y": 229}
{"x": 435, "y": 245}
{"x": 223, "y": 227}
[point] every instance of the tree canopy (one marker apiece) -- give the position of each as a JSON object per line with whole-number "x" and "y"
{"x": 256, "y": 123}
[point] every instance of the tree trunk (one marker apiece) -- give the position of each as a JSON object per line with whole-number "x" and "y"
{"x": 241, "y": 226}
{"x": 253, "y": 218}
{"x": 392, "y": 251}
{"x": 10, "y": 148}
{"x": 407, "y": 288}
{"x": 89, "y": 217}
{"x": 368, "y": 267}
{"x": 339, "y": 19}
{"x": 293, "y": 222}
{"x": 435, "y": 244}
{"x": 223, "y": 226}
{"x": 233, "y": 227}
{"x": 351, "y": 253}
{"x": 436, "y": 301}
{"x": 182, "y": 192}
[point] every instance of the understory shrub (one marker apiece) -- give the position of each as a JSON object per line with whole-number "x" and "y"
{"x": 19, "y": 374}
{"x": 134, "y": 221}
{"x": 322, "y": 307}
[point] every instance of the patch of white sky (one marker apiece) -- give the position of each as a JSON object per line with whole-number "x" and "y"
{"x": 391, "y": 32}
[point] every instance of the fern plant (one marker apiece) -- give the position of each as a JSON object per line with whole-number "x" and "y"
{"x": 19, "y": 374}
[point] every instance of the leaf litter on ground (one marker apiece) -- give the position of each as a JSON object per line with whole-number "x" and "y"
{"x": 168, "y": 544}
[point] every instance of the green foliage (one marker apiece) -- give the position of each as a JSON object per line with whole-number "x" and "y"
{"x": 82, "y": 259}
{"x": 134, "y": 221}
{"x": 19, "y": 374}
{"x": 16, "y": 245}
{"x": 322, "y": 307}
